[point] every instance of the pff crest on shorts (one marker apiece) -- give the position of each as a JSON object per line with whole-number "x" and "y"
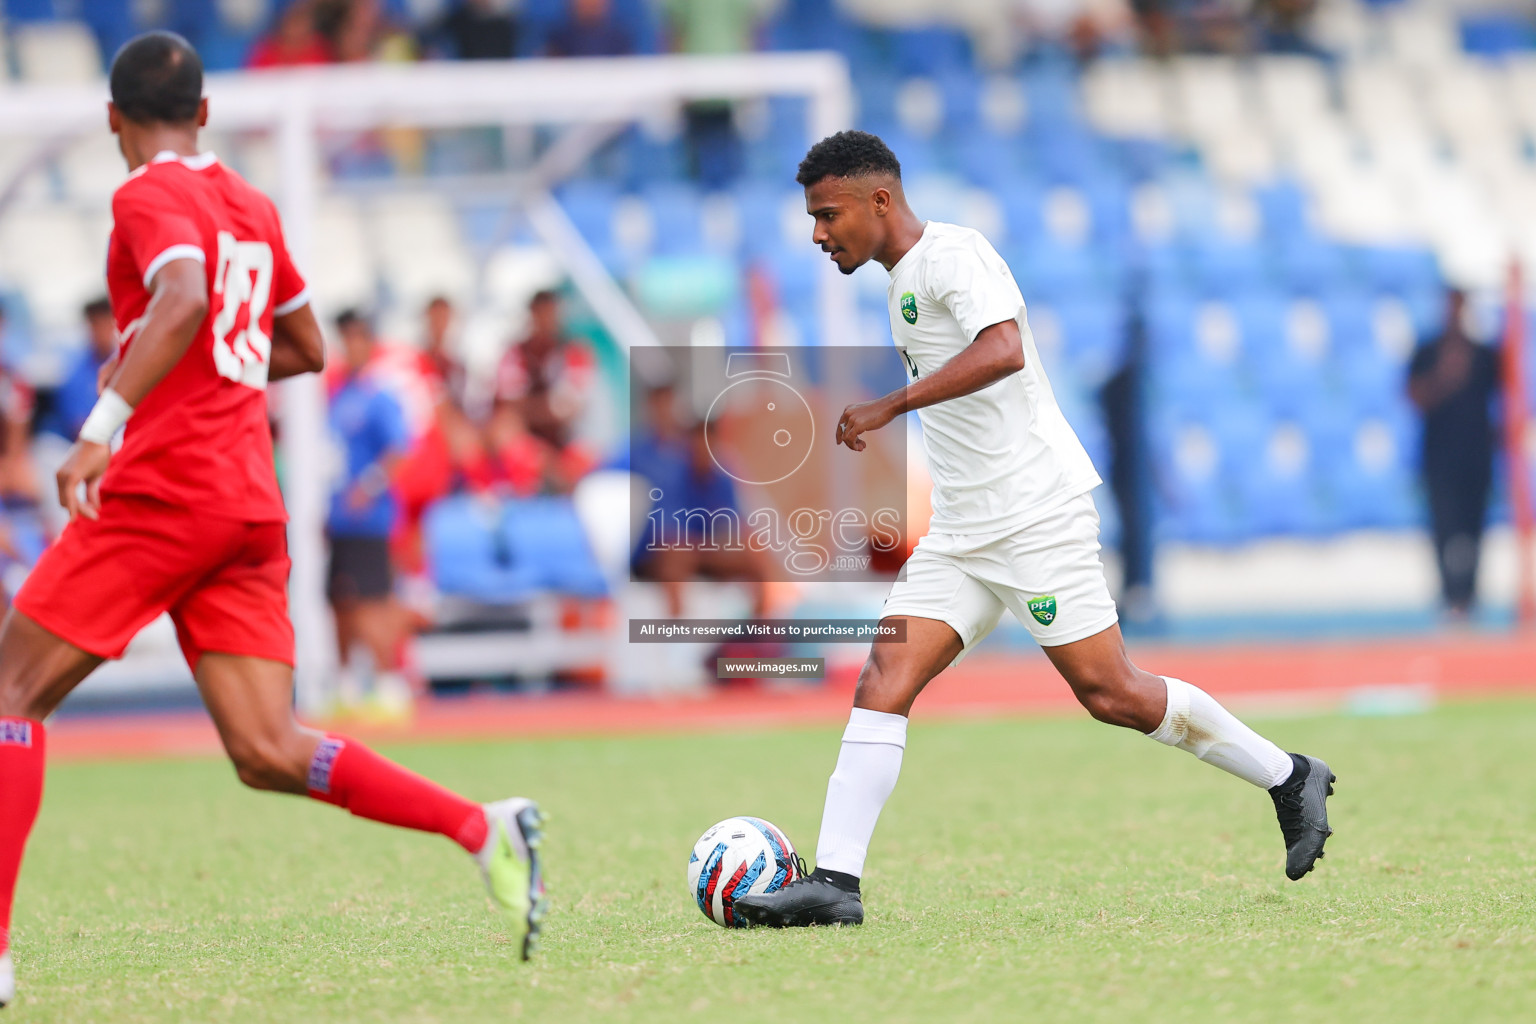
{"x": 1043, "y": 609}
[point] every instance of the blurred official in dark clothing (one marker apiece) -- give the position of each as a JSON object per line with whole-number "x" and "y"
{"x": 1452, "y": 380}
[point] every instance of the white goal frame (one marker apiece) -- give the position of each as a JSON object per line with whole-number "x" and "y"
{"x": 594, "y": 96}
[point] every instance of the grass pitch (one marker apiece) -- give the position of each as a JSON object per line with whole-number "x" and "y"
{"x": 1048, "y": 870}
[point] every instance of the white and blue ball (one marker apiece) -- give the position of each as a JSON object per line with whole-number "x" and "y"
{"x": 738, "y": 857}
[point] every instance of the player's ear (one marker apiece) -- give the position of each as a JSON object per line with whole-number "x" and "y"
{"x": 202, "y": 112}
{"x": 882, "y": 201}
{"x": 114, "y": 119}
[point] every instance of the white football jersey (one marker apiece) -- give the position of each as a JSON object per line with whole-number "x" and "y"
{"x": 1002, "y": 457}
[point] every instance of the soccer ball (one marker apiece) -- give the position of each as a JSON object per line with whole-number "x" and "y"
{"x": 737, "y": 857}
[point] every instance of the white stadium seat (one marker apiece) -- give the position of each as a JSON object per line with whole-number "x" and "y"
{"x": 418, "y": 240}
{"x": 341, "y": 269}
{"x": 56, "y": 255}
{"x": 55, "y": 52}
{"x": 1127, "y": 98}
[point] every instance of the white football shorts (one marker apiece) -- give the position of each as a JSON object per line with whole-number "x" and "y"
{"x": 1048, "y": 574}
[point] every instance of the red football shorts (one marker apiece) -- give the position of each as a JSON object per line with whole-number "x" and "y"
{"x": 224, "y": 581}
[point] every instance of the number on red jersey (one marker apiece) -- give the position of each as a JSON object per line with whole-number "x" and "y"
{"x": 242, "y": 280}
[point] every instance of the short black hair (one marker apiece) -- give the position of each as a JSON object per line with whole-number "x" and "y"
{"x": 353, "y": 317}
{"x": 542, "y": 296}
{"x": 99, "y": 306}
{"x": 157, "y": 78}
{"x": 849, "y": 154}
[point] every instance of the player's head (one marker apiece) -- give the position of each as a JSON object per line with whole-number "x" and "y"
{"x": 99, "y": 326}
{"x": 544, "y": 314}
{"x": 852, "y": 184}
{"x": 157, "y": 79}
{"x": 356, "y": 338}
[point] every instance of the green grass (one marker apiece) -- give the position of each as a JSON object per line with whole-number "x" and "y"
{"x": 1049, "y": 870}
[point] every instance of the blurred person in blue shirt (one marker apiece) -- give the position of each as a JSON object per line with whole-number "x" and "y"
{"x": 590, "y": 31}
{"x": 72, "y": 401}
{"x": 682, "y": 478}
{"x": 371, "y": 435}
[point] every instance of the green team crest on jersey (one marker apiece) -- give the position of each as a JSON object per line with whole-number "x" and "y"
{"x": 909, "y": 307}
{"x": 1043, "y": 609}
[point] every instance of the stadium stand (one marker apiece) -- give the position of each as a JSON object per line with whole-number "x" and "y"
{"x": 1282, "y": 225}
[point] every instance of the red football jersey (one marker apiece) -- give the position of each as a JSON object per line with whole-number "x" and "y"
{"x": 200, "y": 438}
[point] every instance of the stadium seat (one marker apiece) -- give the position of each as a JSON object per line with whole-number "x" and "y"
{"x": 930, "y": 51}
{"x": 468, "y": 556}
{"x": 677, "y": 216}
{"x": 1227, "y": 268}
{"x": 545, "y": 536}
{"x": 56, "y": 52}
{"x": 345, "y": 272}
{"x": 421, "y": 250}
{"x": 1397, "y": 269}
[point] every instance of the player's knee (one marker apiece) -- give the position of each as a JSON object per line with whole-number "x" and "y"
{"x": 880, "y": 689}
{"x": 267, "y": 764}
{"x": 1108, "y": 695}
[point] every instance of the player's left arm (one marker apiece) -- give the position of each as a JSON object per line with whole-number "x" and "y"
{"x": 997, "y": 352}
{"x": 973, "y": 284}
{"x": 177, "y": 306}
{"x": 297, "y": 344}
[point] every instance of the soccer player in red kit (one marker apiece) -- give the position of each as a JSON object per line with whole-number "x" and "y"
{"x": 186, "y": 515}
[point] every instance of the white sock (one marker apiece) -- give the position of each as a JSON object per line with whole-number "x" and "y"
{"x": 1196, "y": 723}
{"x": 867, "y": 768}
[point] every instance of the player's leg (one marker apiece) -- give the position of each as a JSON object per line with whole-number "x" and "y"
{"x": 250, "y": 700}
{"x": 1180, "y": 715}
{"x": 945, "y": 612}
{"x": 37, "y": 671}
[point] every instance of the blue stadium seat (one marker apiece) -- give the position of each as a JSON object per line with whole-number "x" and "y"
{"x": 1283, "y": 209}
{"x": 545, "y": 536}
{"x": 1093, "y": 337}
{"x": 930, "y": 51}
{"x": 1051, "y": 270}
{"x": 678, "y": 216}
{"x": 590, "y": 204}
{"x": 1221, "y": 267}
{"x": 1306, "y": 263}
{"x": 468, "y": 556}
{"x": 1398, "y": 269}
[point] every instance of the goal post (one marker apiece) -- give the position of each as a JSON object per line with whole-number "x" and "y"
{"x": 591, "y": 97}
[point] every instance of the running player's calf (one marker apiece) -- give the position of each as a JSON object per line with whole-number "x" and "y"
{"x": 249, "y": 700}
{"x": 1177, "y": 714}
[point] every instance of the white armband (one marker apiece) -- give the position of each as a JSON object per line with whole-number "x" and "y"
{"x": 106, "y": 419}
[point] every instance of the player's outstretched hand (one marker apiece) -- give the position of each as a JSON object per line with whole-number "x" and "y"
{"x": 864, "y": 416}
{"x": 85, "y": 464}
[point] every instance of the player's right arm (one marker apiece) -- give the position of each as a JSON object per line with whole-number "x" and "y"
{"x": 177, "y": 307}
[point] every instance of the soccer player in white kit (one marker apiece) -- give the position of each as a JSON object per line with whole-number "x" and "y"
{"x": 1013, "y": 529}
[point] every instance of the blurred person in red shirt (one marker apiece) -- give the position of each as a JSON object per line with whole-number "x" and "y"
{"x": 543, "y": 384}
{"x": 294, "y": 41}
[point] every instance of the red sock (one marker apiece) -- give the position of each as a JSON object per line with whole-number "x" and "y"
{"x": 346, "y": 773}
{"x": 21, "y": 790}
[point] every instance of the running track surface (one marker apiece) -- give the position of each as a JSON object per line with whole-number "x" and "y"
{"x": 1283, "y": 677}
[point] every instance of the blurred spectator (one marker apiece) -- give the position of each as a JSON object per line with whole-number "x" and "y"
{"x": 359, "y": 30}
{"x": 1452, "y": 379}
{"x": 473, "y": 30}
{"x": 1284, "y": 26}
{"x": 18, "y": 479}
{"x": 714, "y": 27}
{"x": 294, "y": 40}
{"x": 370, "y": 430}
{"x": 546, "y": 376}
{"x": 437, "y": 351}
{"x": 72, "y": 400}
{"x": 590, "y": 31}
{"x": 542, "y": 386}
{"x": 671, "y": 457}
